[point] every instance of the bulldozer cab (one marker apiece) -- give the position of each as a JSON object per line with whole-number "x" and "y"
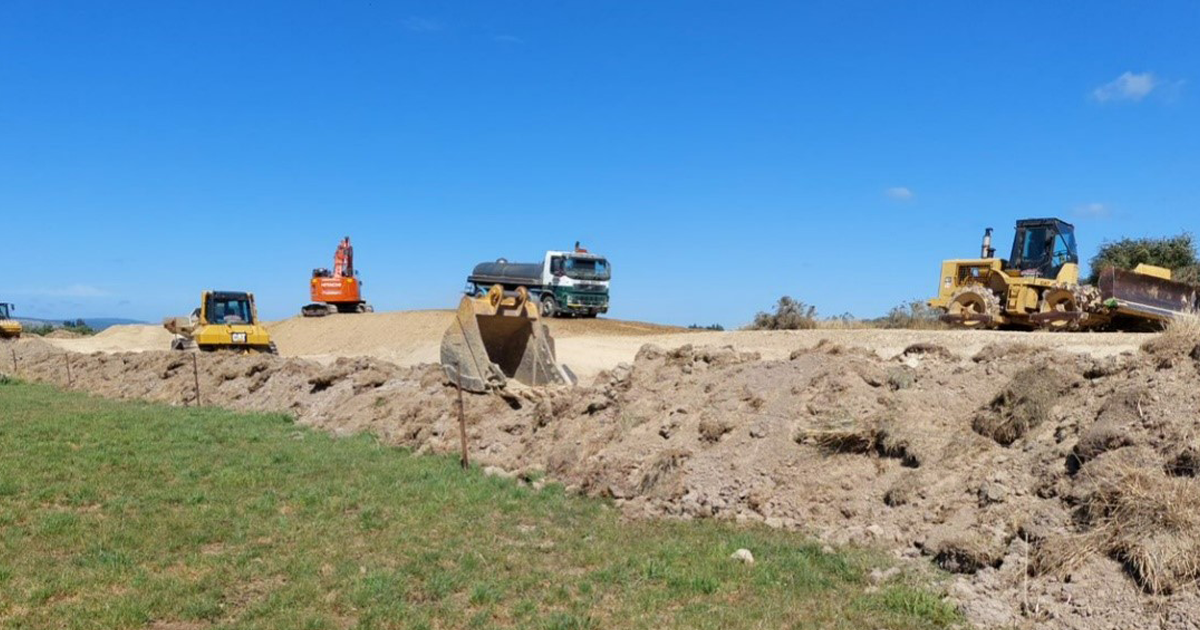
{"x": 4, "y": 310}
{"x": 1042, "y": 247}
{"x": 228, "y": 308}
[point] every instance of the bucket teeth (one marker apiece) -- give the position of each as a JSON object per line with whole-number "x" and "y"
{"x": 498, "y": 337}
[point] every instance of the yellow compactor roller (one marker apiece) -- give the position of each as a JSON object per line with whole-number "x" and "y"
{"x": 496, "y": 337}
{"x": 9, "y": 327}
{"x": 226, "y": 320}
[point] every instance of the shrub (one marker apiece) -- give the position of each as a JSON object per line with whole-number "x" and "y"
{"x": 913, "y": 315}
{"x": 790, "y": 314}
{"x": 716, "y": 327}
{"x": 1177, "y": 253}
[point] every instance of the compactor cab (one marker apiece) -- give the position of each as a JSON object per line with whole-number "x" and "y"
{"x": 1042, "y": 247}
{"x": 9, "y": 327}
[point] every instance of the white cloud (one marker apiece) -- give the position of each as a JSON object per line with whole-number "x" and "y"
{"x": 421, "y": 24}
{"x": 73, "y": 291}
{"x": 899, "y": 193}
{"x": 1093, "y": 211}
{"x": 1127, "y": 87}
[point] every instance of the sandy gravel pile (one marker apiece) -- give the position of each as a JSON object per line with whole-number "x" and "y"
{"x": 1059, "y": 489}
{"x": 62, "y": 333}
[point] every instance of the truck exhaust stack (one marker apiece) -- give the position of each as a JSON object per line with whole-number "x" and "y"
{"x": 496, "y": 337}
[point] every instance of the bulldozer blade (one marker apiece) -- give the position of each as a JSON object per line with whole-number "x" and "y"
{"x": 498, "y": 337}
{"x": 1145, "y": 296}
{"x": 182, "y": 326}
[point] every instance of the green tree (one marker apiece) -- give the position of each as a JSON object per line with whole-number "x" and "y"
{"x": 1177, "y": 253}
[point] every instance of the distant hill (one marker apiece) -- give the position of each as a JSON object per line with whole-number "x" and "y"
{"x": 95, "y": 323}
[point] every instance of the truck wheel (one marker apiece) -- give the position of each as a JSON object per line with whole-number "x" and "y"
{"x": 549, "y": 306}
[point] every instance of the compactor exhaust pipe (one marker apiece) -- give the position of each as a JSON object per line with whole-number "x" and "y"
{"x": 988, "y": 250}
{"x": 496, "y": 337}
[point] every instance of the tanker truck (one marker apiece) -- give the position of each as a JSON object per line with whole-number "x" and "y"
{"x": 563, "y": 283}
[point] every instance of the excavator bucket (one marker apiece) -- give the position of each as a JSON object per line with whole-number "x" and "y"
{"x": 497, "y": 337}
{"x": 1147, "y": 296}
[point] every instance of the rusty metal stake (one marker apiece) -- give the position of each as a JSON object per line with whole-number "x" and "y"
{"x": 196, "y": 376}
{"x": 67, "y": 357}
{"x": 462, "y": 418}
{"x": 14, "y": 355}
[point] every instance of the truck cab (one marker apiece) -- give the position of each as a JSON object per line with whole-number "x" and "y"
{"x": 578, "y": 283}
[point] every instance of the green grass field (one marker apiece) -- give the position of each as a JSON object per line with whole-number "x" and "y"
{"x": 129, "y": 515}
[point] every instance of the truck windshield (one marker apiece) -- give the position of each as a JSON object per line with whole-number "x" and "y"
{"x": 229, "y": 310}
{"x": 587, "y": 268}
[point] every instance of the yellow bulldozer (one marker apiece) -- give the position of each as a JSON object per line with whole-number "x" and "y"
{"x": 1038, "y": 286}
{"x": 226, "y": 320}
{"x": 496, "y": 337}
{"x": 9, "y": 327}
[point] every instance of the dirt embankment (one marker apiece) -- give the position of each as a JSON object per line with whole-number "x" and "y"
{"x": 1059, "y": 489}
{"x": 588, "y": 346}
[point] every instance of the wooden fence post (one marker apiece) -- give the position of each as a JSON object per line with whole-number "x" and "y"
{"x": 462, "y": 419}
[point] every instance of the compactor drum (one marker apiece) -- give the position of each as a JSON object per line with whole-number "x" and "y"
{"x": 496, "y": 337}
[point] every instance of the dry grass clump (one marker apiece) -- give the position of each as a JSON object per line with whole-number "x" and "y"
{"x": 969, "y": 553}
{"x": 905, "y": 490}
{"x": 1181, "y": 336}
{"x": 1140, "y": 516}
{"x": 663, "y": 467}
{"x": 843, "y": 436}
{"x": 1010, "y": 351}
{"x": 790, "y": 314}
{"x": 1024, "y": 403}
{"x": 927, "y": 349}
{"x": 873, "y": 436}
{"x": 1116, "y": 425}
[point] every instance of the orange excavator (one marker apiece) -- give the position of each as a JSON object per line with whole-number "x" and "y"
{"x": 338, "y": 290}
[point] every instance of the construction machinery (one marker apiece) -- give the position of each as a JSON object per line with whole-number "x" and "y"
{"x": 336, "y": 290}
{"x": 563, "y": 283}
{"x": 226, "y": 320}
{"x": 1038, "y": 286}
{"x": 497, "y": 337}
{"x": 9, "y": 327}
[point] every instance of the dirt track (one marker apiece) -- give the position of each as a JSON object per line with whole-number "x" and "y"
{"x": 587, "y": 346}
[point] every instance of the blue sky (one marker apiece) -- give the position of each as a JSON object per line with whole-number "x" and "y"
{"x": 722, "y": 154}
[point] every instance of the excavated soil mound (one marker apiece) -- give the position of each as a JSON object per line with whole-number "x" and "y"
{"x": 1058, "y": 489}
{"x": 125, "y": 338}
{"x": 60, "y": 333}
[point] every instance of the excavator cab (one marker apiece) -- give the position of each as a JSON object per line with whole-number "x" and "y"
{"x": 1042, "y": 247}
